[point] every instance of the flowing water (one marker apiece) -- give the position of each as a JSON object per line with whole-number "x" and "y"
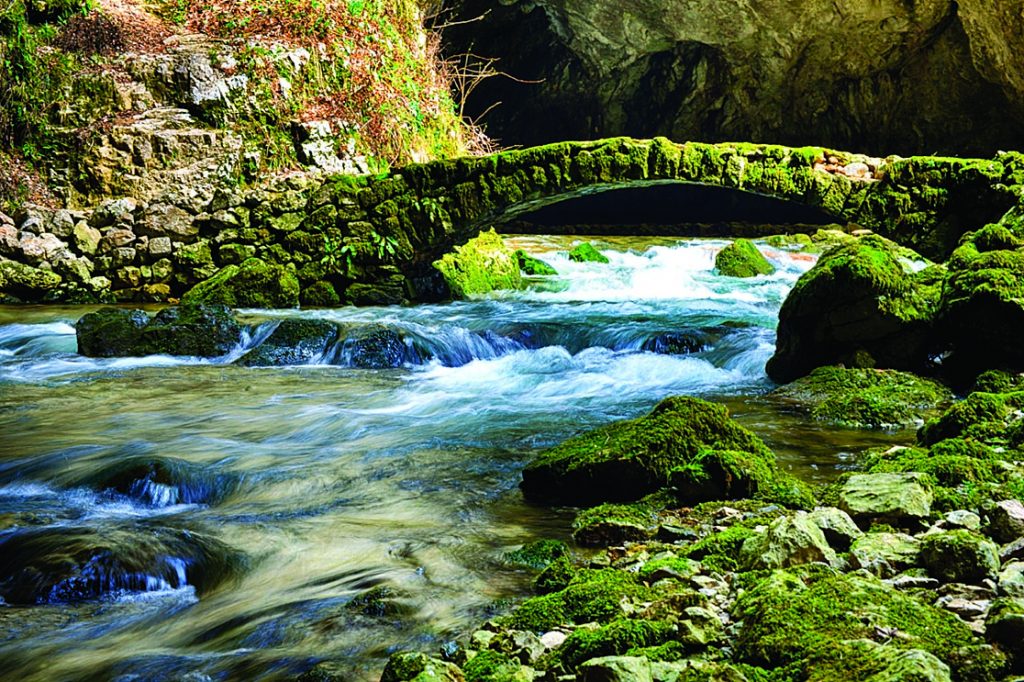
{"x": 217, "y": 521}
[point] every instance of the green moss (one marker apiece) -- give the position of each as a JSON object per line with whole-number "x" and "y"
{"x": 742, "y": 259}
{"x": 253, "y": 284}
{"x": 960, "y": 556}
{"x": 537, "y": 554}
{"x": 797, "y": 242}
{"x": 866, "y": 397}
{"x": 730, "y": 474}
{"x": 616, "y": 638}
{"x": 626, "y": 460}
{"x": 533, "y": 266}
{"x": 790, "y": 616}
{"x": 480, "y": 266}
{"x": 720, "y": 551}
{"x": 591, "y": 596}
{"x": 491, "y": 666}
{"x": 586, "y": 253}
{"x": 609, "y": 524}
{"x": 556, "y": 575}
{"x": 320, "y": 294}
{"x": 672, "y": 565}
{"x": 977, "y": 409}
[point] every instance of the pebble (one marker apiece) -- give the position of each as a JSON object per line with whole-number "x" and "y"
{"x": 553, "y": 639}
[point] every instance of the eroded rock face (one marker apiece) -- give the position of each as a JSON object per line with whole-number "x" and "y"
{"x": 885, "y": 74}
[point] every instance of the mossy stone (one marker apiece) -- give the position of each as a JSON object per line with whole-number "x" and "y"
{"x": 533, "y": 266}
{"x": 866, "y": 397}
{"x": 742, "y": 259}
{"x": 586, "y": 253}
{"x": 895, "y": 498}
{"x": 110, "y": 332}
{"x": 320, "y": 294}
{"x": 626, "y": 460}
{"x": 792, "y": 616}
{"x": 537, "y": 554}
{"x": 857, "y": 304}
{"x": 193, "y": 329}
{"x": 788, "y": 541}
{"x": 960, "y": 556}
{"x": 293, "y": 342}
{"x": 613, "y": 524}
{"x": 480, "y": 266}
{"x": 253, "y": 284}
{"x": 417, "y": 667}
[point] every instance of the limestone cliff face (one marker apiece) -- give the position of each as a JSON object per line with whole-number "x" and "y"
{"x": 890, "y": 75}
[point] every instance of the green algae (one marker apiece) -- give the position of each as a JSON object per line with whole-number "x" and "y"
{"x": 586, "y": 253}
{"x": 480, "y": 266}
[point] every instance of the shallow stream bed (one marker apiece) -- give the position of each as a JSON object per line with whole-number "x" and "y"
{"x": 303, "y": 487}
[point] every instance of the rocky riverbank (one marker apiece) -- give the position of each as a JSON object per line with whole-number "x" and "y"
{"x": 911, "y": 567}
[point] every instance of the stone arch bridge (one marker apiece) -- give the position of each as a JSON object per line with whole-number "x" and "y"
{"x": 393, "y": 227}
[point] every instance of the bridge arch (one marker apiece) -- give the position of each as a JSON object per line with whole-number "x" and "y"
{"x": 425, "y": 210}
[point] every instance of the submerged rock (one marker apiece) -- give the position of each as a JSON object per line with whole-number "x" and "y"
{"x": 195, "y": 330}
{"x": 742, "y": 259}
{"x": 377, "y": 347}
{"x": 586, "y": 253}
{"x": 69, "y": 564}
{"x": 110, "y": 332}
{"x": 857, "y": 306}
{"x": 293, "y": 342}
{"x": 163, "y": 481}
{"x": 866, "y": 397}
{"x": 253, "y": 284}
{"x": 678, "y": 343}
{"x": 480, "y": 266}
{"x": 626, "y": 460}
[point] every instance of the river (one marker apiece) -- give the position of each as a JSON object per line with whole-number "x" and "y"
{"x": 300, "y": 488}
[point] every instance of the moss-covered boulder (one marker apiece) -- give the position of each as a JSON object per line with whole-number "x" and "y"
{"x": 890, "y": 498}
{"x": 592, "y": 596}
{"x": 788, "y": 541}
{"x": 586, "y": 253}
{"x": 613, "y": 524}
{"x": 859, "y": 307}
{"x": 626, "y": 460}
{"x": 980, "y": 315}
{"x": 25, "y": 282}
{"x": 110, "y": 332}
{"x": 377, "y": 347}
{"x": 252, "y": 284}
{"x": 864, "y": 659}
{"x": 960, "y": 556}
{"x": 1004, "y": 625}
{"x": 538, "y": 554}
{"x": 480, "y": 266}
{"x": 885, "y": 554}
{"x": 407, "y": 667}
{"x": 293, "y": 342}
{"x": 530, "y": 265}
{"x": 189, "y": 329}
{"x": 866, "y": 397}
{"x": 742, "y": 259}
{"x": 198, "y": 330}
{"x": 792, "y": 617}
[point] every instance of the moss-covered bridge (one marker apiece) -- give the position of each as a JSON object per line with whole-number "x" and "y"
{"x": 390, "y": 229}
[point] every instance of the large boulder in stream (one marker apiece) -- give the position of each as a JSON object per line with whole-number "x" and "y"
{"x": 252, "y": 284}
{"x": 480, "y": 266}
{"x": 378, "y": 347}
{"x": 686, "y": 442}
{"x": 193, "y": 330}
{"x": 857, "y": 306}
{"x": 69, "y": 564}
{"x": 293, "y": 342}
